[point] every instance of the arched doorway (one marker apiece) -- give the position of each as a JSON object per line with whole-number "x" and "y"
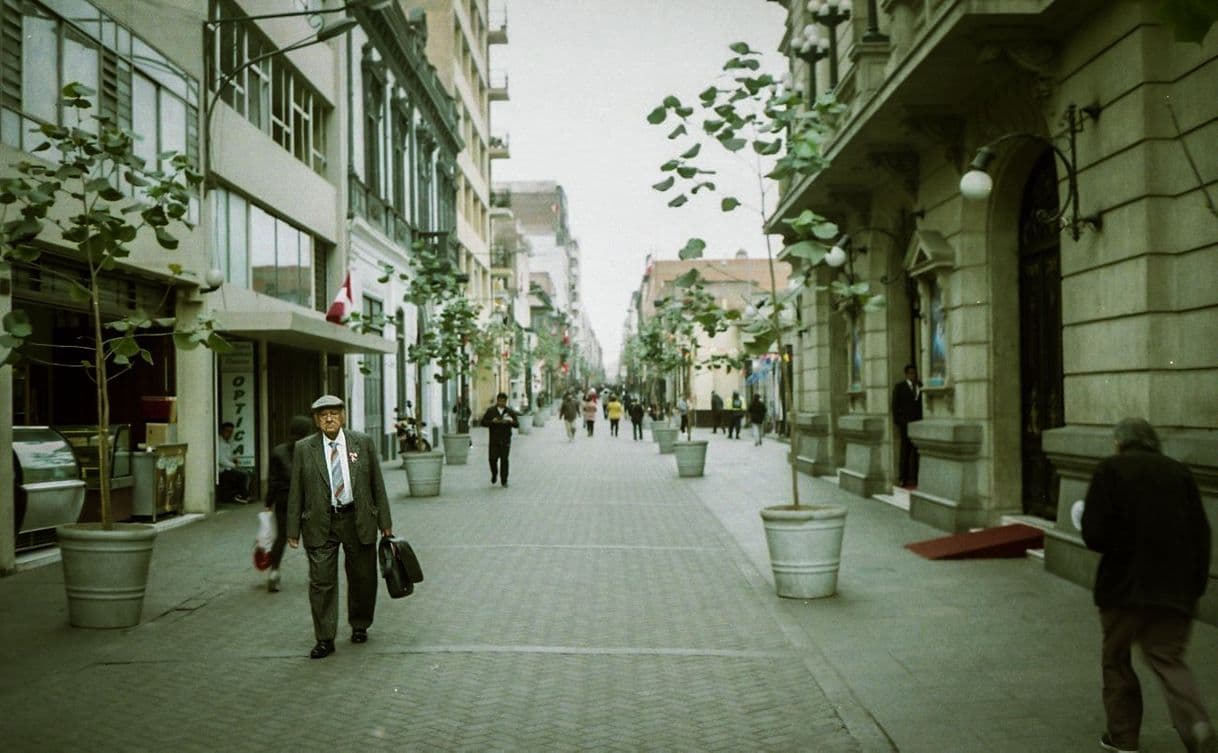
{"x": 1040, "y": 334}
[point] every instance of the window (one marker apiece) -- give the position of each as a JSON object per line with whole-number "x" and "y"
{"x": 270, "y": 94}
{"x": 854, "y": 344}
{"x": 263, "y": 252}
{"x": 936, "y": 326}
{"x": 374, "y": 113}
{"x": 374, "y": 377}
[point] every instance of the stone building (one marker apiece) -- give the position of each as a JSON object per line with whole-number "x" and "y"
{"x": 1074, "y": 287}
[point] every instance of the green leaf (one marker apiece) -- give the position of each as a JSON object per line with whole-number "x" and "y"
{"x": 175, "y": 268}
{"x": 165, "y": 240}
{"x": 679, "y": 201}
{"x": 709, "y": 186}
{"x": 710, "y": 125}
{"x": 17, "y": 324}
{"x": 9, "y": 341}
{"x": 692, "y": 250}
{"x": 708, "y": 95}
{"x": 657, "y": 116}
{"x": 684, "y": 112}
{"x": 218, "y": 344}
{"x": 687, "y": 172}
{"x": 110, "y": 193}
{"x": 729, "y": 203}
{"x": 678, "y": 131}
{"x": 740, "y": 48}
{"x": 670, "y": 165}
{"x": 825, "y": 230}
{"x": 671, "y": 101}
{"x": 665, "y": 184}
{"x": 146, "y": 356}
{"x": 734, "y": 145}
{"x": 687, "y": 279}
{"x": 810, "y": 251}
{"x": 184, "y": 341}
{"x": 692, "y": 152}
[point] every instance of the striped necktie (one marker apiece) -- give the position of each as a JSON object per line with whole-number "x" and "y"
{"x": 336, "y": 474}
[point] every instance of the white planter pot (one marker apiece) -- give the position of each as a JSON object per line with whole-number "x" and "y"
{"x": 805, "y": 546}
{"x": 424, "y": 471}
{"x": 105, "y": 573}
{"x": 691, "y": 458}
{"x": 456, "y": 449}
{"x": 526, "y": 424}
{"x": 539, "y": 420}
{"x": 666, "y": 437}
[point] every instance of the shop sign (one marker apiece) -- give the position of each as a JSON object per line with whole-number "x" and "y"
{"x": 237, "y": 399}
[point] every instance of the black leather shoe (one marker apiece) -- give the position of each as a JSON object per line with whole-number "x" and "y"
{"x": 505, "y": 483}
{"x": 359, "y": 635}
{"x": 322, "y": 650}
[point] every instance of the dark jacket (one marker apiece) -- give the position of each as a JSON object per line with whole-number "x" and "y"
{"x": 1143, "y": 515}
{"x": 279, "y": 477}
{"x": 500, "y": 433}
{"x": 636, "y": 412}
{"x": 716, "y": 402}
{"x": 569, "y": 410}
{"x": 309, "y": 495}
{"x": 905, "y": 406}
{"x": 757, "y": 411}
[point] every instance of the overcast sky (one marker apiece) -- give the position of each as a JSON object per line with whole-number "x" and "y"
{"x": 583, "y": 75}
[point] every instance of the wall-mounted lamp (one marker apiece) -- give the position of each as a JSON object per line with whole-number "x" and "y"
{"x": 830, "y": 14}
{"x": 976, "y": 184}
{"x": 810, "y": 46}
{"x": 213, "y": 279}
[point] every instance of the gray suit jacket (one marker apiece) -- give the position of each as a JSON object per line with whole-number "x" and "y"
{"x": 309, "y": 495}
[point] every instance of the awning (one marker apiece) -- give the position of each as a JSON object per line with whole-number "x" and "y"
{"x": 298, "y": 329}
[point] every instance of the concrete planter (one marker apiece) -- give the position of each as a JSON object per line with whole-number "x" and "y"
{"x": 805, "y": 546}
{"x": 691, "y": 458}
{"x": 424, "y": 471}
{"x": 105, "y": 572}
{"x": 456, "y": 449}
{"x": 526, "y": 423}
{"x": 539, "y": 420}
{"x": 666, "y": 437}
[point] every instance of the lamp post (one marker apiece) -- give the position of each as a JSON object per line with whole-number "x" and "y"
{"x": 830, "y": 14}
{"x": 810, "y": 46}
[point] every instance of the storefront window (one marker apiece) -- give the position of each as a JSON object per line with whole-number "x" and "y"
{"x": 937, "y": 324}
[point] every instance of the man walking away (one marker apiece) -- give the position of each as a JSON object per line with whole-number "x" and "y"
{"x": 907, "y": 407}
{"x": 716, "y": 411}
{"x": 636, "y": 419}
{"x": 1143, "y": 514}
{"x": 337, "y": 498}
{"x": 683, "y": 411}
{"x": 569, "y": 412}
{"x": 500, "y": 420}
{"x": 736, "y": 417}
{"x": 757, "y": 418}
{"x": 279, "y": 483}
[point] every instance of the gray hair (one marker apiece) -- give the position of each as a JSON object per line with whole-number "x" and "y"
{"x": 1135, "y": 432}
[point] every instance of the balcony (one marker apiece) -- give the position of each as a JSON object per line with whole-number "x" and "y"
{"x": 497, "y": 33}
{"x": 502, "y": 260}
{"x": 501, "y": 199}
{"x": 499, "y": 86}
{"x": 500, "y": 147}
{"x": 378, "y": 212}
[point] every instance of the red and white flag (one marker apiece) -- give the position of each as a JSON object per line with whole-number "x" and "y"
{"x": 340, "y": 309}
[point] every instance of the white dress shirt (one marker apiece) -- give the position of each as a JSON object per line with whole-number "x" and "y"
{"x": 347, "y": 497}
{"x": 225, "y": 454}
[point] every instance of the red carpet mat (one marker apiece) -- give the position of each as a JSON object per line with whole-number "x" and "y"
{"x": 1003, "y": 541}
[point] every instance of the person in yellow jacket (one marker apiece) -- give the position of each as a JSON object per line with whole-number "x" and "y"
{"x": 615, "y": 410}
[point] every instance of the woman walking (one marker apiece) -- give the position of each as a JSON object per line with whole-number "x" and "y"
{"x": 590, "y": 409}
{"x": 614, "y": 410}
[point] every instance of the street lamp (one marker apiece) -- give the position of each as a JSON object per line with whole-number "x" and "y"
{"x": 830, "y": 14}
{"x": 808, "y": 45}
{"x": 976, "y": 184}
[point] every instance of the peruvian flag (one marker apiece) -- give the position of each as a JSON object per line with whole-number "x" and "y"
{"x": 340, "y": 309}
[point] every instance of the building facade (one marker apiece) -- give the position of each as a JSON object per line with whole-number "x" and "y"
{"x": 1041, "y": 304}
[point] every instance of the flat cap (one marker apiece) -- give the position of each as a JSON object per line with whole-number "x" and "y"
{"x": 328, "y": 401}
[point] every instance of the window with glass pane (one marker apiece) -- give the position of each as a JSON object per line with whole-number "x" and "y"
{"x": 39, "y": 65}
{"x": 262, "y": 252}
{"x": 144, "y": 118}
{"x": 238, "y": 241}
{"x": 173, "y": 124}
{"x": 80, "y": 64}
{"x": 306, "y": 270}
{"x": 319, "y": 140}
{"x": 287, "y": 262}
{"x": 259, "y": 95}
{"x": 281, "y": 106}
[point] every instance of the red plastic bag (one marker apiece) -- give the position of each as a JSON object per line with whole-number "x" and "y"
{"x": 264, "y": 540}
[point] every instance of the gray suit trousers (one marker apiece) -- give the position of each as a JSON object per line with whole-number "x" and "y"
{"x": 359, "y": 561}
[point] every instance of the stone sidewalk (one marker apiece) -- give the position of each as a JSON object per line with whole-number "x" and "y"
{"x": 599, "y": 603}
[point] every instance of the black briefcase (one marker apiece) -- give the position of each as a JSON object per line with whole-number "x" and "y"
{"x": 399, "y": 567}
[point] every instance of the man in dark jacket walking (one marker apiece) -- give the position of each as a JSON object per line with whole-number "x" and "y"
{"x": 278, "y": 484}
{"x": 1143, "y": 515}
{"x": 716, "y": 412}
{"x": 500, "y": 420}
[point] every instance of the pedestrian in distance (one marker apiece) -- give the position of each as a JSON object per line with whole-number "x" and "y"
{"x": 735, "y": 416}
{"x": 757, "y": 415}
{"x": 499, "y": 419}
{"x": 462, "y": 414}
{"x": 636, "y": 419}
{"x": 569, "y": 413}
{"x": 233, "y": 483}
{"x": 278, "y": 484}
{"x": 716, "y": 412}
{"x": 337, "y": 499}
{"x": 683, "y": 411}
{"x": 590, "y": 410}
{"x": 1143, "y": 514}
{"x": 907, "y": 408}
{"x": 614, "y": 410}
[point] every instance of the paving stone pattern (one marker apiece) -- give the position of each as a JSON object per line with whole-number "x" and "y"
{"x": 596, "y": 604}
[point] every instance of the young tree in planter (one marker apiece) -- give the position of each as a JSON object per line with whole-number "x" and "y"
{"x": 81, "y": 201}
{"x": 781, "y": 137}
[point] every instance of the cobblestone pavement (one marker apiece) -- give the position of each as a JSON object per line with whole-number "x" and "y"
{"x": 599, "y": 603}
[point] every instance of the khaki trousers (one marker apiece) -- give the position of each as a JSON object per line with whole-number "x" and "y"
{"x": 1163, "y": 635}
{"x": 359, "y": 560}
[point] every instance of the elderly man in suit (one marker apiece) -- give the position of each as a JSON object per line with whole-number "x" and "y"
{"x": 337, "y": 497}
